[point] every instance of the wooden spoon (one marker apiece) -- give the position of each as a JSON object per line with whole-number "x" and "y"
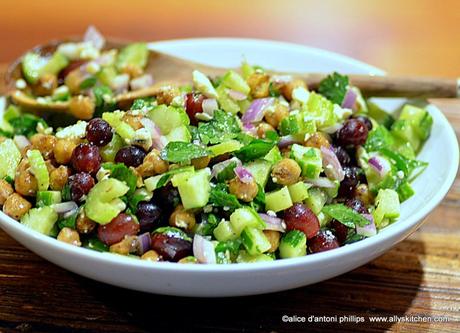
{"x": 167, "y": 69}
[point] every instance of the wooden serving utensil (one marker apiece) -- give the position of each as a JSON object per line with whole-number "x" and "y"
{"x": 168, "y": 69}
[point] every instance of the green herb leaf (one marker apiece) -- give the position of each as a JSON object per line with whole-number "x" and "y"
{"x": 345, "y": 215}
{"x": 26, "y": 124}
{"x": 104, "y": 100}
{"x": 179, "y": 152}
{"x": 220, "y": 197}
{"x": 123, "y": 173}
{"x": 88, "y": 83}
{"x": 411, "y": 168}
{"x": 255, "y": 149}
{"x": 68, "y": 222}
{"x": 95, "y": 244}
{"x": 227, "y": 173}
{"x": 223, "y": 127}
{"x": 334, "y": 87}
{"x": 147, "y": 103}
{"x": 207, "y": 225}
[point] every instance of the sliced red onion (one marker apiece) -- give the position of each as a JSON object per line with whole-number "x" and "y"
{"x": 380, "y": 165}
{"x": 120, "y": 83}
{"x": 93, "y": 36}
{"x": 65, "y": 207}
{"x": 243, "y": 174}
{"x": 321, "y": 182}
{"x": 203, "y": 250}
{"x": 217, "y": 168}
{"x": 369, "y": 229}
{"x": 143, "y": 243}
{"x": 21, "y": 141}
{"x": 350, "y": 99}
{"x": 288, "y": 140}
{"x": 273, "y": 222}
{"x": 332, "y": 167}
{"x": 209, "y": 105}
{"x": 236, "y": 95}
{"x": 255, "y": 112}
{"x": 141, "y": 82}
{"x": 155, "y": 132}
{"x": 250, "y": 129}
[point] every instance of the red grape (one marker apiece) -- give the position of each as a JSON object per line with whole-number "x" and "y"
{"x": 86, "y": 158}
{"x": 80, "y": 184}
{"x": 354, "y": 132}
{"x": 323, "y": 241}
{"x": 121, "y": 226}
{"x": 149, "y": 215}
{"x": 99, "y": 132}
{"x": 300, "y": 217}
{"x": 130, "y": 156}
{"x": 194, "y": 105}
{"x": 349, "y": 183}
{"x": 340, "y": 230}
{"x": 171, "y": 248}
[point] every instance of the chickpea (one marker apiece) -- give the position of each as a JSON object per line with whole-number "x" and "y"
{"x": 58, "y": 177}
{"x": 46, "y": 85}
{"x": 132, "y": 120}
{"x": 124, "y": 247}
{"x": 152, "y": 165}
{"x": 243, "y": 191}
{"x": 151, "y": 256}
{"x": 166, "y": 94}
{"x": 188, "y": 260}
{"x": 5, "y": 191}
{"x": 263, "y": 128}
{"x": 276, "y": 115}
{"x": 287, "y": 89}
{"x": 69, "y": 236}
{"x": 362, "y": 193}
{"x": 259, "y": 84}
{"x": 201, "y": 162}
{"x": 274, "y": 239}
{"x": 16, "y": 206}
{"x": 63, "y": 150}
{"x": 45, "y": 143}
{"x": 25, "y": 182}
{"x": 73, "y": 81}
{"x": 83, "y": 224}
{"x": 182, "y": 218}
{"x": 318, "y": 140}
{"x": 286, "y": 172}
{"x": 82, "y": 107}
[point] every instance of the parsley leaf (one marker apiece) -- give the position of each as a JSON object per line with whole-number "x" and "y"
{"x": 255, "y": 149}
{"x": 123, "y": 173}
{"x": 207, "y": 225}
{"x": 88, "y": 83}
{"x": 104, "y": 100}
{"x": 143, "y": 103}
{"x": 224, "y": 126}
{"x": 220, "y": 197}
{"x": 178, "y": 152}
{"x": 26, "y": 124}
{"x": 345, "y": 215}
{"x": 334, "y": 87}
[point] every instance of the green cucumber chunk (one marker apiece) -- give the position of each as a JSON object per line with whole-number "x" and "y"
{"x": 48, "y": 198}
{"x": 133, "y": 55}
{"x": 180, "y": 133}
{"x": 388, "y": 206}
{"x": 244, "y": 257}
{"x": 226, "y": 103}
{"x": 194, "y": 188}
{"x": 309, "y": 159}
{"x": 168, "y": 117}
{"x": 260, "y": 170}
{"x": 224, "y": 232}
{"x": 245, "y": 217}
{"x": 316, "y": 199}
{"x": 123, "y": 129}
{"x": 293, "y": 244}
{"x": 55, "y": 64}
{"x": 299, "y": 191}
{"x": 40, "y": 219}
{"x": 10, "y": 157}
{"x": 274, "y": 155}
{"x": 203, "y": 84}
{"x": 39, "y": 169}
{"x": 32, "y": 63}
{"x": 255, "y": 241}
{"x": 234, "y": 81}
{"x": 278, "y": 200}
{"x": 109, "y": 151}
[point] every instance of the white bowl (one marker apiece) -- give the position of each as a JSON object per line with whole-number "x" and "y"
{"x": 441, "y": 151}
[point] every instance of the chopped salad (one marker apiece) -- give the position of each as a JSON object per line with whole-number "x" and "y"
{"x": 245, "y": 167}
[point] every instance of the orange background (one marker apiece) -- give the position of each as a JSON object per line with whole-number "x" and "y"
{"x": 404, "y": 37}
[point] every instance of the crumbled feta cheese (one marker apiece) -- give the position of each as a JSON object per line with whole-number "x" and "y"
{"x": 21, "y": 84}
{"x": 271, "y": 213}
{"x": 77, "y": 130}
{"x": 400, "y": 174}
{"x": 93, "y": 67}
{"x": 301, "y": 95}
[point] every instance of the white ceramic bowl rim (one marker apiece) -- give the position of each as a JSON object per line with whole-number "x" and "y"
{"x": 349, "y": 250}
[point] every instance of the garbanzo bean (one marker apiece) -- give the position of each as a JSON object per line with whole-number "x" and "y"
{"x": 16, "y": 206}
{"x": 286, "y": 172}
{"x": 259, "y": 84}
{"x": 274, "y": 239}
{"x": 182, "y": 219}
{"x": 243, "y": 191}
{"x": 69, "y": 236}
{"x": 63, "y": 150}
{"x": 45, "y": 143}
{"x": 362, "y": 193}
{"x": 58, "y": 178}
{"x": 5, "y": 191}
{"x": 83, "y": 224}
{"x": 152, "y": 164}
{"x": 133, "y": 120}
{"x": 82, "y": 107}
{"x": 45, "y": 85}
{"x": 277, "y": 114}
{"x": 25, "y": 182}
{"x": 263, "y": 128}
{"x": 151, "y": 256}
{"x": 166, "y": 94}
{"x": 318, "y": 140}
{"x": 201, "y": 162}
{"x": 287, "y": 88}
{"x": 124, "y": 247}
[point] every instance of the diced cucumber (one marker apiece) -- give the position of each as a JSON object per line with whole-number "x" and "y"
{"x": 380, "y": 116}
{"x": 293, "y": 244}
{"x": 107, "y": 75}
{"x": 378, "y": 138}
{"x": 40, "y": 219}
{"x": 316, "y": 199}
{"x": 245, "y": 217}
{"x": 247, "y": 70}
{"x": 309, "y": 159}
{"x": 103, "y": 202}
{"x": 299, "y": 191}
{"x": 32, "y": 63}
{"x": 168, "y": 117}
{"x": 255, "y": 241}
{"x": 224, "y": 232}
{"x": 123, "y": 129}
{"x": 39, "y": 169}
{"x": 203, "y": 84}
{"x": 109, "y": 151}
{"x": 194, "y": 188}
{"x": 180, "y": 133}
{"x": 323, "y": 219}
{"x": 321, "y": 110}
{"x": 134, "y": 56}
{"x": 420, "y": 118}
{"x": 225, "y": 147}
{"x": 295, "y": 124}
{"x": 404, "y": 130}
{"x": 260, "y": 170}
{"x": 274, "y": 155}
{"x": 10, "y": 157}
{"x": 234, "y": 81}
{"x": 278, "y": 200}
{"x": 225, "y": 102}
{"x": 48, "y": 198}
{"x": 387, "y": 203}
{"x": 155, "y": 182}
{"x": 244, "y": 257}
{"x": 55, "y": 64}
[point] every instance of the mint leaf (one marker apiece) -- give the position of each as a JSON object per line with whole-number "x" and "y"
{"x": 334, "y": 87}
{"x": 224, "y": 126}
{"x": 255, "y": 149}
{"x": 26, "y": 124}
{"x": 345, "y": 215}
{"x": 123, "y": 173}
{"x": 220, "y": 197}
{"x": 178, "y": 152}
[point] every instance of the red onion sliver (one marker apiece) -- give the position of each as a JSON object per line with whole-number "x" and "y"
{"x": 217, "y": 168}
{"x": 243, "y": 174}
{"x": 273, "y": 222}
{"x": 65, "y": 207}
{"x": 380, "y": 165}
{"x": 141, "y": 82}
{"x": 209, "y": 105}
{"x": 203, "y": 250}
{"x": 369, "y": 229}
{"x": 321, "y": 182}
{"x": 350, "y": 99}
{"x": 250, "y": 129}
{"x": 288, "y": 140}
{"x": 95, "y": 37}
{"x": 143, "y": 243}
{"x": 332, "y": 167}
{"x": 21, "y": 141}
{"x": 236, "y": 95}
{"x": 255, "y": 112}
{"x": 155, "y": 132}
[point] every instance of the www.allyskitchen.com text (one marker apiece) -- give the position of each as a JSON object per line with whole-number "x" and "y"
{"x": 363, "y": 319}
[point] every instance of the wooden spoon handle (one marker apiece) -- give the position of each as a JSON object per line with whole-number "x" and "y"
{"x": 390, "y": 86}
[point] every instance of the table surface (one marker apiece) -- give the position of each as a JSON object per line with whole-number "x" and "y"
{"x": 421, "y": 275}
